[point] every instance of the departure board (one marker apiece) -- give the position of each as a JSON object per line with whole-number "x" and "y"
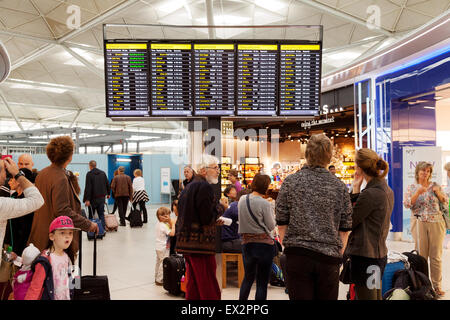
{"x": 257, "y": 79}
{"x": 126, "y": 76}
{"x": 214, "y": 79}
{"x": 299, "y": 79}
{"x": 171, "y": 92}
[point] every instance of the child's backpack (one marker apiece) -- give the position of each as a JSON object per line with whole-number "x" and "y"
{"x": 21, "y": 283}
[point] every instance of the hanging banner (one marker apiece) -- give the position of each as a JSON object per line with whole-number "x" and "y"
{"x": 411, "y": 157}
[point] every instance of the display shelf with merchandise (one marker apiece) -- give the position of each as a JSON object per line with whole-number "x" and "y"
{"x": 249, "y": 169}
{"x": 224, "y": 170}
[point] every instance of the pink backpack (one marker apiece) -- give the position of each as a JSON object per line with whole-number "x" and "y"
{"x": 21, "y": 283}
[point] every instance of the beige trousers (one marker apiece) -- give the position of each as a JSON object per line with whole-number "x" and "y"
{"x": 430, "y": 245}
{"x": 414, "y": 231}
{"x": 160, "y": 255}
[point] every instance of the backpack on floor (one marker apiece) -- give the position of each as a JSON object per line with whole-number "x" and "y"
{"x": 417, "y": 262}
{"x": 414, "y": 283}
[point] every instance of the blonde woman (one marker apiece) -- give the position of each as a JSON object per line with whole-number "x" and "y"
{"x": 140, "y": 196}
{"x": 423, "y": 199}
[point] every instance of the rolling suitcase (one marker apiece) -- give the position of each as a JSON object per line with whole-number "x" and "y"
{"x": 101, "y": 230}
{"x": 173, "y": 270}
{"x": 135, "y": 218}
{"x": 112, "y": 224}
{"x": 92, "y": 287}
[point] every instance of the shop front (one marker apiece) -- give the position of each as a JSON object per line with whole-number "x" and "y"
{"x": 277, "y": 148}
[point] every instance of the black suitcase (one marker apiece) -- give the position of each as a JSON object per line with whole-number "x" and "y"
{"x": 92, "y": 287}
{"x": 173, "y": 269}
{"x": 135, "y": 218}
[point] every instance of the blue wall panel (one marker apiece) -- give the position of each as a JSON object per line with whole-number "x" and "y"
{"x": 411, "y": 124}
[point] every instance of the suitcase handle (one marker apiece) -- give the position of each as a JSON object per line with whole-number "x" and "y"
{"x": 95, "y": 253}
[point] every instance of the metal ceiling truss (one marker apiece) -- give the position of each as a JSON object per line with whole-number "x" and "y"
{"x": 82, "y": 137}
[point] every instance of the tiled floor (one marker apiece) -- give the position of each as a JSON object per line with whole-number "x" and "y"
{"x": 127, "y": 257}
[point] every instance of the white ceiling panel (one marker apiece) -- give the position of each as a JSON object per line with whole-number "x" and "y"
{"x": 47, "y": 19}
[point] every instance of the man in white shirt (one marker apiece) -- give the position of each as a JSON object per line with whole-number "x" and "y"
{"x": 13, "y": 208}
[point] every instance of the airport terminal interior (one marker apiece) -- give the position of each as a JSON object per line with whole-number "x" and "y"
{"x": 154, "y": 84}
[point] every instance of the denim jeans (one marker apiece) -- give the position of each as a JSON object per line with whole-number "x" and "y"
{"x": 98, "y": 205}
{"x": 257, "y": 264}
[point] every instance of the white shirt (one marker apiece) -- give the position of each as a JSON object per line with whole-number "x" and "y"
{"x": 138, "y": 184}
{"x": 162, "y": 232}
{"x": 13, "y": 208}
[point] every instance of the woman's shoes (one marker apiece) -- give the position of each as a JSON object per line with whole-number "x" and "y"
{"x": 158, "y": 283}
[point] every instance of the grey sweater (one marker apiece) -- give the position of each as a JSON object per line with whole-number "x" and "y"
{"x": 315, "y": 205}
{"x": 261, "y": 209}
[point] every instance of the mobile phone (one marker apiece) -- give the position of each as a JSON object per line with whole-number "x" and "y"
{"x": 6, "y": 156}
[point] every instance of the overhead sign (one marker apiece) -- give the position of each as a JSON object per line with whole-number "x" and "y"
{"x": 308, "y": 124}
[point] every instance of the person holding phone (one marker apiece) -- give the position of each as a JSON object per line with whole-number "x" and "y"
{"x": 13, "y": 208}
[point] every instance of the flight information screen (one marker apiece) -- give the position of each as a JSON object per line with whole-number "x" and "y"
{"x": 257, "y": 79}
{"x": 126, "y": 77}
{"x": 214, "y": 79}
{"x": 299, "y": 79}
{"x": 171, "y": 79}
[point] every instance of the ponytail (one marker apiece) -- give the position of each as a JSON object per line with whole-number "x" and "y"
{"x": 371, "y": 164}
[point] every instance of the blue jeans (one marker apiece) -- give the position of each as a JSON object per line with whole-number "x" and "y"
{"x": 98, "y": 205}
{"x": 257, "y": 264}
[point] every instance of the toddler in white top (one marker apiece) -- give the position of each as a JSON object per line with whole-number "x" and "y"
{"x": 165, "y": 228}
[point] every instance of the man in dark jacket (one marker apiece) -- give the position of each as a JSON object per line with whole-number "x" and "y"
{"x": 198, "y": 208}
{"x": 96, "y": 189}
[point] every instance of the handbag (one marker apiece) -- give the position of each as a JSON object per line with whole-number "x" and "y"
{"x": 199, "y": 239}
{"x": 277, "y": 245}
{"x": 346, "y": 273}
{"x": 444, "y": 210}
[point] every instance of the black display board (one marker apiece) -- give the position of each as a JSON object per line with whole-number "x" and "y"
{"x": 243, "y": 78}
{"x": 126, "y": 79}
{"x": 257, "y": 79}
{"x": 171, "y": 79}
{"x": 214, "y": 82}
{"x": 299, "y": 79}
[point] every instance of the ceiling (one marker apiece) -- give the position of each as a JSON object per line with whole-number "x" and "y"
{"x": 57, "y": 72}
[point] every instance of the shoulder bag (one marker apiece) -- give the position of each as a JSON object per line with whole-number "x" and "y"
{"x": 444, "y": 210}
{"x": 276, "y": 243}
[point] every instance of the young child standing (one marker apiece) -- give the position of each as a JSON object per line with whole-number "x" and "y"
{"x": 52, "y": 268}
{"x": 165, "y": 228}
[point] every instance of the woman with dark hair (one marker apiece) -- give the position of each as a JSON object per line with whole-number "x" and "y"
{"x": 60, "y": 196}
{"x": 370, "y": 224}
{"x": 256, "y": 224}
{"x": 231, "y": 241}
{"x": 423, "y": 199}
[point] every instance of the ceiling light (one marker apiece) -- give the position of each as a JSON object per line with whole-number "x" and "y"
{"x": 123, "y": 160}
{"x": 427, "y": 107}
{"x": 438, "y": 98}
